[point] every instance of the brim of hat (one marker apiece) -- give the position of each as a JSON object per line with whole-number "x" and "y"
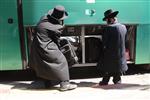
{"x": 114, "y": 14}
{"x": 64, "y": 16}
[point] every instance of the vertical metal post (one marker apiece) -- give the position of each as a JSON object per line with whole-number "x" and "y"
{"x": 83, "y": 43}
{"x": 21, "y": 33}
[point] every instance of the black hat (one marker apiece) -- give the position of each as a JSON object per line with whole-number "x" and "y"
{"x": 58, "y": 13}
{"x": 110, "y": 14}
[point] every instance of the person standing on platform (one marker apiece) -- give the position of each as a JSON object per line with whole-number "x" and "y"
{"x": 113, "y": 62}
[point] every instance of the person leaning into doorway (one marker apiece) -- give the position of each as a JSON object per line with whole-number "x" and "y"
{"x": 113, "y": 62}
{"x": 45, "y": 57}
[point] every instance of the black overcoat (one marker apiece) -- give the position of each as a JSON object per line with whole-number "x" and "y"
{"x": 45, "y": 57}
{"x": 113, "y": 59}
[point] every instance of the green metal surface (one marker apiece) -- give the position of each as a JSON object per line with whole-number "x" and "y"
{"x": 131, "y": 12}
{"x": 143, "y": 40}
{"x": 10, "y": 57}
{"x": 143, "y": 44}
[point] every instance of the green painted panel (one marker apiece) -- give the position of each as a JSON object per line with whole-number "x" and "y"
{"x": 143, "y": 44}
{"x": 10, "y": 57}
{"x": 131, "y": 11}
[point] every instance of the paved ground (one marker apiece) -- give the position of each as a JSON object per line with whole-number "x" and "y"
{"x": 134, "y": 87}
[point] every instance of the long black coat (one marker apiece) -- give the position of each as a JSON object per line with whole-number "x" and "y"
{"x": 113, "y": 59}
{"x": 45, "y": 57}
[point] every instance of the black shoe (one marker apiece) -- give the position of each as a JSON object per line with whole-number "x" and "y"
{"x": 50, "y": 84}
{"x": 103, "y": 83}
{"x": 118, "y": 82}
{"x": 47, "y": 84}
{"x": 117, "y": 78}
{"x": 68, "y": 87}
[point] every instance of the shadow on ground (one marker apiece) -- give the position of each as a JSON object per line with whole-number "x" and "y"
{"x": 39, "y": 86}
{"x": 123, "y": 86}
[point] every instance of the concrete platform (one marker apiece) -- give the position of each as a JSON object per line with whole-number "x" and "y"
{"x": 134, "y": 87}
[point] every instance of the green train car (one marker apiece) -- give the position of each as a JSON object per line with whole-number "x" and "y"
{"x": 18, "y": 17}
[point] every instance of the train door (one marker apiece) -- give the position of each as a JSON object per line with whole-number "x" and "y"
{"x": 10, "y": 53}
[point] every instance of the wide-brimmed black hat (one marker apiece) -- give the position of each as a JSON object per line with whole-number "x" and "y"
{"x": 58, "y": 12}
{"x": 110, "y": 14}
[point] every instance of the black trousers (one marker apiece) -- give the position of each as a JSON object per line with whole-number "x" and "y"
{"x": 107, "y": 75}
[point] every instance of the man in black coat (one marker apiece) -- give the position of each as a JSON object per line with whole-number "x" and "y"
{"x": 45, "y": 57}
{"x": 113, "y": 62}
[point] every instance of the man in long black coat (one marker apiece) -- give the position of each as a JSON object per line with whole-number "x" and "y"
{"x": 113, "y": 62}
{"x": 46, "y": 58}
